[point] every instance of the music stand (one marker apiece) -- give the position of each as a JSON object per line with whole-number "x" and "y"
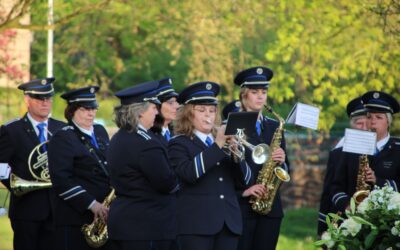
{"x": 241, "y": 120}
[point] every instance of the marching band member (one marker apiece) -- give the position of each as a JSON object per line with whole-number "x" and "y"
{"x": 358, "y": 120}
{"x": 30, "y": 214}
{"x": 143, "y": 216}
{"x": 233, "y": 106}
{"x": 384, "y": 166}
{"x": 208, "y": 211}
{"x": 259, "y": 231}
{"x": 166, "y": 111}
{"x": 78, "y": 169}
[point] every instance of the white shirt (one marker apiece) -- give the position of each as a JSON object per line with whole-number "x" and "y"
{"x": 203, "y": 137}
{"x": 141, "y": 127}
{"x": 381, "y": 144}
{"x": 164, "y": 130}
{"x": 85, "y": 131}
{"x": 35, "y": 123}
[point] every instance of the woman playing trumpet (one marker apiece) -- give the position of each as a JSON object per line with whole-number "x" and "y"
{"x": 259, "y": 231}
{"x": 208, "y": 211}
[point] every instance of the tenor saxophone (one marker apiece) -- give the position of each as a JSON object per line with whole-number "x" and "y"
{"x": 96, "y": 234}
{"x": 271, "y": 174}
{"x": 362, "y": 187}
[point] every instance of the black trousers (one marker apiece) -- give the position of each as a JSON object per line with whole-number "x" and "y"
{"x": 33, "y": 235}
{"x": 140, "y": 244}
{"x": 223, "y": 240}
{"x": 71, "y": 238}
{"x": 260, "y": 233}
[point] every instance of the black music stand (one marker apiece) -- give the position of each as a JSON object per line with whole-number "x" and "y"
{"x": 241, "y": 120}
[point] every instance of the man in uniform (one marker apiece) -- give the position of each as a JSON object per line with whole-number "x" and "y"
{"x": 358, "y": 120}
{"x": 31, "y": 213}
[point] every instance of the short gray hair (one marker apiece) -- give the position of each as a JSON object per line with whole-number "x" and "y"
{"x": 354, "y": 119}
{"x": 127, "y": 116}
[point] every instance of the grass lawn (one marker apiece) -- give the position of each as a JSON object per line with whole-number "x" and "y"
{"x": 297, "y": 232}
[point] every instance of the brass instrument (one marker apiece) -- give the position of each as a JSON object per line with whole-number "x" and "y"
{"x": 259, "y": 153}
{"x": 271, "y": 174}
{"x": 96, "y": 234}
{"x": 38, "y": 167}
{"x": 362, "y": 187}
{"x": 20, "y": 186}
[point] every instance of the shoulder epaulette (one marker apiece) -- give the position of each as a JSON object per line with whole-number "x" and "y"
{"x": 67, "y": 128}
{"x": 11, "y": 121}
{"x": 175, "y": 136}
{"x": 143, "y": 134}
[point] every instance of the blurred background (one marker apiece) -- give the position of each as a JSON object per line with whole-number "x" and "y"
{"x": 323, "y": 53}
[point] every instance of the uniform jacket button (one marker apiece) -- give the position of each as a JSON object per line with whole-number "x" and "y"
{"x": 220, "y": 179}
{"x": 221, "y": 196}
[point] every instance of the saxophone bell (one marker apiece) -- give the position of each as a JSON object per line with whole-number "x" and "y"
{"x": 96, "y": 234}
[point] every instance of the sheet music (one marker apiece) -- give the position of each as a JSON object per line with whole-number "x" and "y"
{"x": 304, "y": 115}
{"x": 359, "y": 141}
{"x": 4, "y": 171}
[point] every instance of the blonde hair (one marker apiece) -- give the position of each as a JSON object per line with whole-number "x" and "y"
{"x": 127, "y": 116}
{"x": 184, "y": 122}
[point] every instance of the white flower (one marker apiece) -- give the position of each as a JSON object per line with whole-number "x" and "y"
{"x": 350, "y": 226}
{"x": 328, "y": 239}
{"x": 394, "y": 231}
{"x": 363, "y": 206}
{"x": 395, "y": 201}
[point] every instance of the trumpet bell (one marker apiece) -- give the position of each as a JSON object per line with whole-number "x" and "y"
{"x": 20, "y": 186}
{"x": 260, "y": 153}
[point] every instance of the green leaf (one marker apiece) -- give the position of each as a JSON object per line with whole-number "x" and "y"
{"x": 352, "y": 206}
{"x": 369, "y": 240}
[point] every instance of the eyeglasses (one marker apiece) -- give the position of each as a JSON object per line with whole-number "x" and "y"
{"x": 171, "y": 102}
{"x": 43, "y": 99}
{"x": 87, "y": 109}
{"x": 203, "y": 109}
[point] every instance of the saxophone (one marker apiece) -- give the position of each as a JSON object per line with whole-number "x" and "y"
{"x": 96, "y": 234}
{"x": 271, "y": 174}
{"x": 362, "y": 187}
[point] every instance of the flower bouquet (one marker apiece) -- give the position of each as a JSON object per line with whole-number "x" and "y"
{"x": 373, "y": 224}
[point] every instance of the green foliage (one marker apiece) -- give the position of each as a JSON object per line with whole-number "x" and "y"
{"x": 322, "y": 52}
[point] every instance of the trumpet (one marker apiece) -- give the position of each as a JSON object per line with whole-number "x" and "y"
{"x": 259, "y": 153}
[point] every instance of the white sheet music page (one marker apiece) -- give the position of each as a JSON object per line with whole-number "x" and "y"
{"x": 304, "y": 115}
{"x": 359, "y": 141}
{"x": 4, "y": 171}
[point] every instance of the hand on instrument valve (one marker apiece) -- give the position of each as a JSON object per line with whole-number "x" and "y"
{"x": 257, "y": 190}
{"x": 221, "y": 138}
{"x": 99, "y": 211}
{"x": 370, "y": 176}
{"x": 278, "y": 155}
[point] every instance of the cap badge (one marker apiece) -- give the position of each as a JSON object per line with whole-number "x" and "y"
{"x": 208, "y": 86}
{"x": 92, "y": 90}
{"x": 259, "y": 71}
{"x": 376, "y": 95}
{"x": 170, "y": 81}
{"x": 43, "y": 82}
